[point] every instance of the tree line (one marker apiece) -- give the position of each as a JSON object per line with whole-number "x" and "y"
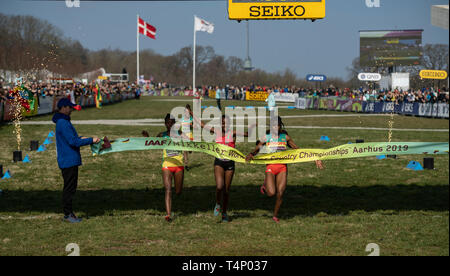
{"x": 29, "y": 45}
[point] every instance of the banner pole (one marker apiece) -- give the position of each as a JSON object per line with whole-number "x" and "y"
{"x": 137, "y": 51}
{"x": 193, "y": 62}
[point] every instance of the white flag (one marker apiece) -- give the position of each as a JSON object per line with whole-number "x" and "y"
{"x": 202, "y": 25}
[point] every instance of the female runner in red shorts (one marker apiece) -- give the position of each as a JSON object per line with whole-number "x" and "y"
{"x": 276, "y": 174}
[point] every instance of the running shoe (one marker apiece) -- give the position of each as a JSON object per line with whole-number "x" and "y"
{"x": 71, "y": 218}
{"x": 217, "y": 210}
{"x": 225, "y": 218}
{"x": 168, "y": 219}
{"x": 277, "y": 220}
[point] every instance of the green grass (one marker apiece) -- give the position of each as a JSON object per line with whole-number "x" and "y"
{"x": 337, "y": 211}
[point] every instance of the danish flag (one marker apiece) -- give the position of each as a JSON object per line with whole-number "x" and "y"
{"x": 146, "y": 29}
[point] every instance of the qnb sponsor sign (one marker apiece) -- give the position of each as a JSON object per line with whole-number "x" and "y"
{"x": 369, "y": 77}
{"x": 312, "y": 77}
{"x": 373, "y": 3}
{"x": 433, "y": 74}
{"x": 73, "y": 3}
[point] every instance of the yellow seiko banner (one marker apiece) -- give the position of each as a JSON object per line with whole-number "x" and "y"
{"x": 433, "y": 74}
{"x": 259, "y": 96}
{"x": 276, "y": 9}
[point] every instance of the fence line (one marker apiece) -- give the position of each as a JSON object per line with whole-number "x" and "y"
{"x": 47, "y": 104}
{"x": 432, "y": 110}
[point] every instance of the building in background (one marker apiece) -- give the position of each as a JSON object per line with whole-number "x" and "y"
{"x": 439, "y": 16}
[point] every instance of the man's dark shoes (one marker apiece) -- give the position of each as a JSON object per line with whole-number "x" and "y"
{"x": 71, "y": 218}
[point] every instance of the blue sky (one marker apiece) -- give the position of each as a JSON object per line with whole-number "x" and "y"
{"x": 326, "y": 46}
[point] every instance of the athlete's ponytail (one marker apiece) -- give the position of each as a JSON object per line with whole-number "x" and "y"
{"x": 226, "y": 117}
{"x": 279, "y": 121}
{"x": 169, "y": 117}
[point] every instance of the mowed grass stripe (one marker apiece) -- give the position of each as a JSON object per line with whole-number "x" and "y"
{"x": 337, "y": 211}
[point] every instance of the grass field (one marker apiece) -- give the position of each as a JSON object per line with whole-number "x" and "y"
{"x": 337, "y": 211}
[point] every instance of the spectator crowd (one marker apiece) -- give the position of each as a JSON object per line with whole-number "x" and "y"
{"x": 425, "y": 95}
{"x": 71, "y": 90}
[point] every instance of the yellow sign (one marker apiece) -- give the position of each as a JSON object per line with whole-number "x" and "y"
{"x": 393, "y": 41}
{"x": 276, "y": 9}
{"x": 102, "y": 78}
{"x": 260, "y": 96}
{"x": 433, "y": 74}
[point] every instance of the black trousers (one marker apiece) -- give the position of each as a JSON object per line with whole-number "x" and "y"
{"x": 70, "y": 176}
{"x": 218, "y": 104}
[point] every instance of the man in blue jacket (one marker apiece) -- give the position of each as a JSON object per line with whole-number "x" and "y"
{"x": 68, "y": 145}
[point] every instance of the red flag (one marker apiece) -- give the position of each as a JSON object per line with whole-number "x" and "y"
{"x": 146, "y": 29}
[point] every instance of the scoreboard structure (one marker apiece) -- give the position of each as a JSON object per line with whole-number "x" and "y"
{"x": 276, "y": 9}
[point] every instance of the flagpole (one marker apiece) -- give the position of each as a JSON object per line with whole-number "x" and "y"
{"x": 137, "y": 51}
{"x": 193, "y": 63}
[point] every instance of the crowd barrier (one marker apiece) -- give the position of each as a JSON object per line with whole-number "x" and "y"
{"x": 434, "y": 110}
{"x": 212, "y": 95}
{"x": 168, "y": 92}
{"x": 286, "y": 97}
{"x": 261, "y": 96}
{"x": 180, "y": 92}
{"x": 47, "y": 105}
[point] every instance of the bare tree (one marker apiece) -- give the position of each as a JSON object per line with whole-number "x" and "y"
{"x": 28, "y": 44}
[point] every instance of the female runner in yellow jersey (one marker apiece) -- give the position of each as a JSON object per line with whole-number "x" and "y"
{"x": 172, "y": 167}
